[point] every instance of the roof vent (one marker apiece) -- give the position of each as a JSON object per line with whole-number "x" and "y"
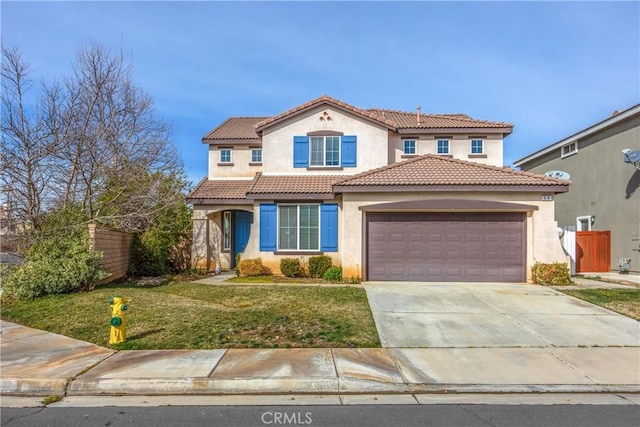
{"x": 615, "y": 113}
{"x": 418, "y": 110}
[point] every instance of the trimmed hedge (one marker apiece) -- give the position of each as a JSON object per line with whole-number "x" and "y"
{"x": 555, "y": 274}
{"x": 333, "y": 274}
{"x": 318, "y": 265}
{"x": 290, "y": 267}
{"x": 251, "y": 267}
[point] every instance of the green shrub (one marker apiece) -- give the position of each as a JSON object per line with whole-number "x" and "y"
{"x": 251, "y": 267}
{"x": 333, "y": 274}
{"x": 164, "y": 246}
{"x": 290, "y": 267}
{"x": 555, "y": 274}
{"x": 57, "y": 262}
{"x": 318, "y": 265}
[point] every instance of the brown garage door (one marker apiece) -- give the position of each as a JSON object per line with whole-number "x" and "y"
{"x": 446, "y": 247}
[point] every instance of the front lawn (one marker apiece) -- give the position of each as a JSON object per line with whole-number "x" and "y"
{"x": 195, "y": 316}
{"x": 623, "y": 301}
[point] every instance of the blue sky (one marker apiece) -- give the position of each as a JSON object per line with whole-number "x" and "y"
{"x": 551, "y": 68}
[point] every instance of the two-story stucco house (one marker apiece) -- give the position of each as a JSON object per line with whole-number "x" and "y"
{"x": 389, "y": 195}
{"x": 604, "y": 194}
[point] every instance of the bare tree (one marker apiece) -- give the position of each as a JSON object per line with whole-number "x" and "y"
{"x": 92, "y": 141}
{"x": 25, "y": 149}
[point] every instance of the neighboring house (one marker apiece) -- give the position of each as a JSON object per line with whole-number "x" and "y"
{"x": 604, "y": 193}
{"x": 389, "y": 195}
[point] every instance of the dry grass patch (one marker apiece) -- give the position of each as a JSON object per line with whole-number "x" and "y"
{"x": 187, "y": 315}
{"x": 623, "y": 301}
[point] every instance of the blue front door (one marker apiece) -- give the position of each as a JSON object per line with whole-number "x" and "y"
{"x": 242, "y": 228}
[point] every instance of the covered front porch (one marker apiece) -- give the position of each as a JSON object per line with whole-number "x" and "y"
{"x": 219, "y": 235}
{"x": 222, "y": 219}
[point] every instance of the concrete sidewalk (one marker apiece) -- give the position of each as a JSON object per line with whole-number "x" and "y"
{"x": 34, "y": 362}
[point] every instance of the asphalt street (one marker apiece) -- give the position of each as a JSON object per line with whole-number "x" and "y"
{"x": 357, "y": 415}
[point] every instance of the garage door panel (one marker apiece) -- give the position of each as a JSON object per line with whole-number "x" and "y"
{"x": 447, "y": 246}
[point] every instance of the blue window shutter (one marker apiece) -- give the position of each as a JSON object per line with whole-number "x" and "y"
{"x": 329, "y": 224}
{"x": 300, "y": 151}
{"x": 268, "y": 230}
{"x": 349, "y": 151}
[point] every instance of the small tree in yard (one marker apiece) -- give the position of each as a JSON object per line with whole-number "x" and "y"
{"x": 90, "y": 148}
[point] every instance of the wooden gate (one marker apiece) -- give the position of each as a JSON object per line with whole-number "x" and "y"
{"x": 593, "y": 251}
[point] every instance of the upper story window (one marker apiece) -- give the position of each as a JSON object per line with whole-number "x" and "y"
{"x": 569, "y": 149}
{"x": 256, "y": 155}
{"x": 225, "y": 155}
{"x": 477, "y": 146}
{"x": 299, "y": 227}
{"x": 443, "y": 146}
{"x": 324, "y": 151}
{"x": 409, "y": 146}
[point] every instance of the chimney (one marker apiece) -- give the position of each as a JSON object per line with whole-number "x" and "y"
{"x": 418, "y": 109}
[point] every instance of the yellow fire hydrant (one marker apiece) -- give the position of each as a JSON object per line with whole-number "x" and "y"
{"x": 118, "y": 321}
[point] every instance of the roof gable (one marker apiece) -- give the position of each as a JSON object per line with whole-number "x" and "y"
{"x": 325, "y": 100}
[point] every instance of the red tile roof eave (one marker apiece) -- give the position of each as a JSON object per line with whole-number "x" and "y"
{"x": 457, "y": 130}
{"x": 206, "y": 201}
{"x": 560, "y": 188}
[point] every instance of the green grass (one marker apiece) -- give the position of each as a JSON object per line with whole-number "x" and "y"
{"x": 623, "y": 301}
{"x": 192, "y": 316}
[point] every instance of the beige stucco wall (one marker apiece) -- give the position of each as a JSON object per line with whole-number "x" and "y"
{"x": 207, "y": 236}
{"x": 543, "y": 244}
{"x": 272, "y": 260}
{"x": 459, "y": 147}
{"x": 240, "y": 158}
{"x": 277, "y": 141}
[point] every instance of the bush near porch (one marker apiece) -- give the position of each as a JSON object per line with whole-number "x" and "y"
{"x": 180, "y": 315}
{"x": 554, "y": 274}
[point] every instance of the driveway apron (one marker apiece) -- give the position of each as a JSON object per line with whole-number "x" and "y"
{"x": 449, "y": 315}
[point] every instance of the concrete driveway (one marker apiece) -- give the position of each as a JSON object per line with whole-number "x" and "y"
{"x": 492, "y": 315}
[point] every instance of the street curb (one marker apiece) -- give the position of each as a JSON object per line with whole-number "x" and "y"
{"x": 306, "y": 386}
{"x": 33, "y": 386}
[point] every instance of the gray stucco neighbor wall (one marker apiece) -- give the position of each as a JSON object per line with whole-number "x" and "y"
{"x": 603, "y": 186}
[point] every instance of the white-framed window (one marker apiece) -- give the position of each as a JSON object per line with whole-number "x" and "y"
{"x": 225, "y": 155}
{"x": 584, "y": 223}
{"x": 256, "y": 155}
{"x": 299, "y": 227}
{"x": 443, "y": 146}
{"x": 477, "y": 146}
{"x": 324, "y": 151}
{"x": 226, "y": 231}
{"x": 569, "y": 149}
{"x": 409, "y": 146}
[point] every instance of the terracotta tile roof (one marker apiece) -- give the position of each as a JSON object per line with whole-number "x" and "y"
{"x": 405, "y": 120}
{"x": 220, "y": 191}
{"x": 294, "y": 184}
{"x": 235, "y": 128}
{"x": 325, "y": 99}
{"x": 246, "y": 128}
{"x": 434, "y": 170}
